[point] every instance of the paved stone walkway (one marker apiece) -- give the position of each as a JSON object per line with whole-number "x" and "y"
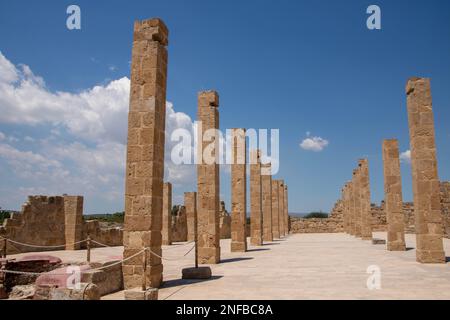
{"x": 303, "y": 266}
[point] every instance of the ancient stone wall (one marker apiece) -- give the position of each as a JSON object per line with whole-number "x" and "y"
{"x": 45, "y": 221}
{"x": 41, "y": 222}
{"x": 445, "y": 205}
{"x": 333, "y": 224}
{"x": 112, "y": 237}
{"x": 179, "y": 225}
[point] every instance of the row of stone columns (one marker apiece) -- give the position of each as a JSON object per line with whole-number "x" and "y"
{"x": 356, "y": 200}
{"x": 427, "y": 207}
{"x": 145, "y": 224}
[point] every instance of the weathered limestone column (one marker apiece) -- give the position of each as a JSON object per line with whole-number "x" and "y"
{"x": 208, "y": 184}
{"x": 427, "y": 207}
{"x": 281, "y": 208}
{"x": 256, "y": 215}
{"x": 344, "y": 209}
{"x": 286, "y": 210}
{"x": 356, "y": 204}
{"x": 190, "y": 202}
{"x": 349, "y": 205}
{"x": 393, "y": 196}
{"x": 266, "y": 186}
{"x": 354, "y": 208}
{"x": 366, "y": 215}
{"x": 238, "y": 191}
{"x": 73, "y": 213}
{"x": 275, "y": 210}
{"x": 145, "y": 153}
{"x": 167, "y": 215}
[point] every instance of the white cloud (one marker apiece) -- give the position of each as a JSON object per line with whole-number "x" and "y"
{"x": 315, "y": 144}
{"x": 85, "y": 150}
{"x": 405, "y": 157}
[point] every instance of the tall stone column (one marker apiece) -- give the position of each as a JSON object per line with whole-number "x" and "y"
{"x": 281, "y": 208}
{"x": 256, "y": 215}
{"x": 208, "y": 204}
{"x": 167, "y": 215}
{"x": 238, "y": 191}
{"x": 348, "y": 193}
{"x": 366, "y": 215}
{"x": 393, "y": 196}
{"x": 266, "y": 186}
{"x": 427, "y": 207}
{"x": 275, "y": 210}
{"x": 353, "y": 211}
{"x": 73, "y": 213}
{"x": 145, "y": 153}
{"x": 358, "y": 207}
{"x": 190, "y": 202}
{"x": 344, "y": 208}
{"x": 286, "y": 209}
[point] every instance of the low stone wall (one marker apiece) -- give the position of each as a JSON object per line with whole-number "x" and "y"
{"x": 112, "y": 237}
{"x": 333, "y": 224}
{"x": 379, "y": 223}
{"x": 445, "y": 203}
{"x": 41, "y": 222}
{"x": 314, "y": 225}
{"x": 50, "y": 221}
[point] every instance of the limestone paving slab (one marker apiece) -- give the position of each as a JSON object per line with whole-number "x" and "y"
{"x": 301, "y": 266}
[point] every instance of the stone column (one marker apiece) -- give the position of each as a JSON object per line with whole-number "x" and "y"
{"x": 353, "y": 198}
{"x": 275, "y": 209}
{"x": 356, "y": 204}
{"x": 286, "y": 210}
{"x": 281, "y": 208}
{"x": 190, "y": 202}
{"x": 167, "y": 215}
{"x": 256, "y": 215}
{"x": 349, "y": 205}
{"x": 238, "y": 191}
{"x": 393, "y": 196}
{"x": 427, "y": 207}
{"x": 208, "y": 202}
{"x": 145, "y": 153}
{"x": 73, "y": 213}
{"x": 366, "y": 215}
{"x": 266, "y": 186}
{"x": 344, "y": 207}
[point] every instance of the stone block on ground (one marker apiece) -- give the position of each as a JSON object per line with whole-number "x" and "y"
{"x": 138, "y": 294}
{"x": 378, "y": 241}
{"x": 84, "y": 291}
{"x": 197, "y": 273}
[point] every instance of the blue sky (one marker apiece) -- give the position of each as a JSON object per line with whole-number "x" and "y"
{"x": 300, "y": 66}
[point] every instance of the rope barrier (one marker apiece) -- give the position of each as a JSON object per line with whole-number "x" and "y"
{"x": 38, "y": 246}
{"x": 99, "y": 268}
{"x": 64, "y": 274}
{"x": 180, "y": 245}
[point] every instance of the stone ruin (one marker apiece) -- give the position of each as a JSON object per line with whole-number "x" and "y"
{"x": 179, "y": 224}
{"x": 55, "y": 222}
{"x": 225, "y": 222}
